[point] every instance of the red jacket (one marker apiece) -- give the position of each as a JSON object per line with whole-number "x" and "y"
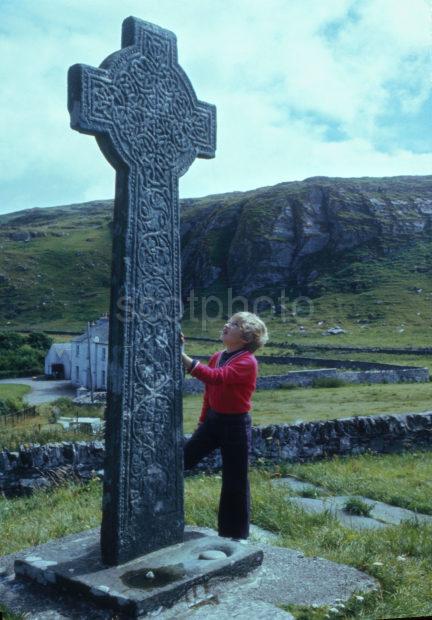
{"x": 228, "y": 389}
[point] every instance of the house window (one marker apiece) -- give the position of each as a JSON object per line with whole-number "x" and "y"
{"x": 77, "y": 349}
{"x": 103, "y": 354}
{"x": 103, "y": 378}
{"x": 77, "y": 373}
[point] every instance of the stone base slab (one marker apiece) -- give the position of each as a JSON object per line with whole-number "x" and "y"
{"x": 155, "y": 580}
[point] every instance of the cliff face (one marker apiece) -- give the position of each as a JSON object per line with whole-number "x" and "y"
{"x": 310, "y": 237}
{"x": 290, "y": 234}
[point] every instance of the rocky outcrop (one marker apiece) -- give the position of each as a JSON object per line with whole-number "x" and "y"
{"x": 288, "y": 234}
{"x": 292, "y": 235}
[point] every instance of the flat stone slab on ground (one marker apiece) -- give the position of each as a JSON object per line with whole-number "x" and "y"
{"x": 317, "y": 506}
{"x": 381, "y": 514}
{"x": 393, "y": 515}
{"x": 286, "y": 576}
{"x": 140, "y": 586}
{"x": 239, "y": 609}
{"x": 299, "y": 486}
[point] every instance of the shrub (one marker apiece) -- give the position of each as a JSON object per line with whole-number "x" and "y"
{"x": 11, "y": 340}
{"x": 39, "y": 340}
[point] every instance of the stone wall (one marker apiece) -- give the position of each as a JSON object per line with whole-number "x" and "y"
{"x": 327, "y": 363}
{"x": 368, "y": 372}
{"x": 336, "y": 348}
{"x": 357, "y": 349}
{"x": 305, "y": 378}
{"x": 41, "y": 465}
{"x": 38, "y": 466}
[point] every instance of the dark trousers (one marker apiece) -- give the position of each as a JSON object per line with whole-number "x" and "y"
{"x": 232, "y": 434}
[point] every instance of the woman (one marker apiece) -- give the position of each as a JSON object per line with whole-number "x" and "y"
{"x": 225, "y": 422}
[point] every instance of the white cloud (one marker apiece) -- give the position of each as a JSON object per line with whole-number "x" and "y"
{"x": 275, "y": 76}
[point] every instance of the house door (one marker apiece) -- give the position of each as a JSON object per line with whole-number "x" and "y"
{"x": 57, "y": 371}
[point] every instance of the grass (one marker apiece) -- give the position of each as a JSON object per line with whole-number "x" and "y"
{"x": 399, "y": 557}
{"x": 14, "y": 392}
{"x": 287, "y": 406}
{"x": 291, "y": 406}
{"x": 403, "y": 480}
{"x": 39, "y": 429}
{"x": 33, "y": 520}
{"x": 355, "y": 506}
{"x": 369, "y": 290}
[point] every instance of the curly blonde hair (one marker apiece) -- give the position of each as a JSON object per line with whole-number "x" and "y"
{"x": 253, "y": 329}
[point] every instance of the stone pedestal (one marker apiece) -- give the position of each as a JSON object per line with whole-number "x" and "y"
{"x": 140, "y": 586}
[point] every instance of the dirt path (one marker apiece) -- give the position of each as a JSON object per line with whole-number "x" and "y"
{"x": 43, "y": 391}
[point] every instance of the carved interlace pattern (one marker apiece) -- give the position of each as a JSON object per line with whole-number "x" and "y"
{"x": 144, "y": 112}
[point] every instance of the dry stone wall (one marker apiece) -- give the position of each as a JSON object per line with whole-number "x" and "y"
{"x": 37, "y": 466}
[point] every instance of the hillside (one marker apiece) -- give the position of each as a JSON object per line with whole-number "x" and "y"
{"x": 366, "y": 242}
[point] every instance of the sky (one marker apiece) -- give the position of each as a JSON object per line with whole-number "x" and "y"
{"x": 302, "y": 88}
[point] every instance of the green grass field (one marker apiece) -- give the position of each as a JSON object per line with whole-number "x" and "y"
{"x": 310, "y": 404}
{"x": 14, "y": 391}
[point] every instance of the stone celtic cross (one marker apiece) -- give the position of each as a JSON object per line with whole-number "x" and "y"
{"x": 143, "y": 111}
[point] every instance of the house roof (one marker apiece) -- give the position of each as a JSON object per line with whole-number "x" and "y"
{"x": 99, "y": 329}
{"x": 60, "y": 349}
{"x": 61, "y": 346}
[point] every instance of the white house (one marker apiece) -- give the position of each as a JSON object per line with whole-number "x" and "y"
{"x": 58, "y": 360}
{"x": 90, "y": 351}
{"x": 73, "y": 360}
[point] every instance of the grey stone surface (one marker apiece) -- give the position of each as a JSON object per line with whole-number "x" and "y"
{"x": 316, "y": 506}
{"x": 381, "y": 514}
{"x": 212, "y": 554}
{"x": 286, "y": 576}
{"x": 306, "y": 378}
{"x": 236, "y": 607}
{"x": 298, "y": 486}
{"x": 149, "y": 124}
{"x": 302, "y": 220}
{"x": 142, "y": 585}
{"x": 392, "y": 515}
{"x": 258, "y": 534}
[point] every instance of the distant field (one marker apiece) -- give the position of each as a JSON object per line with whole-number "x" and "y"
{"x": 286, "y": 406}
{"x": 310, "y": 404}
